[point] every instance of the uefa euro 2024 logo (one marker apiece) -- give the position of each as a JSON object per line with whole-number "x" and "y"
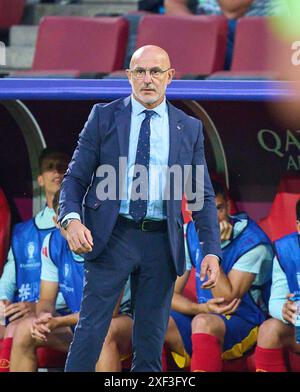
{"x": 2, "y": 54}
{"x": 30, "y": 250}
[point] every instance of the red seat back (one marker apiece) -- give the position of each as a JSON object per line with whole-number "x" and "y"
{"x": 11, "y": 12}
{"x": 255, "y": 44}
{"x": 200, "y": 44}
{"x": 282, "y": 216}
{"x": 80, "y": 43}
{"x": 4, "y": 229}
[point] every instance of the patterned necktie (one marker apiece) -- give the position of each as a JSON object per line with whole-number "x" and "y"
{"x": 138, "y": 208}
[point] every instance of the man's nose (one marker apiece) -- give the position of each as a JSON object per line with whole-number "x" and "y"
{"x": 147, "y": 77}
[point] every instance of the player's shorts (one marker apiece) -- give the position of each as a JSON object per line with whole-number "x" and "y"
{"x": 240, "y": 336}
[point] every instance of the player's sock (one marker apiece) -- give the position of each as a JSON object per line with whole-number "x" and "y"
{"x": 269, "y": 360}
{"x": 206, "y": 355}
{"x": 5, "y": 355}
{"x": 294, "y": 360}
{"x": 164, "y": 359}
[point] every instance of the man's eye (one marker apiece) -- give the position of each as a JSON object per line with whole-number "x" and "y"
{"x": 155, "y": 72}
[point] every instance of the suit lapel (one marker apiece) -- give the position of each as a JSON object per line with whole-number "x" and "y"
{"x": 176, "y": 129}
{"x": 123, "y": 121}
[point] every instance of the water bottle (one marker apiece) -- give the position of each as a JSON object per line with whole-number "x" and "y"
{"x": 297, "y": 322}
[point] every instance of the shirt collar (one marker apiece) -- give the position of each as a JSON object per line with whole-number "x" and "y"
{"x": 138, "y": 108}
{"x": 47, "y": 211}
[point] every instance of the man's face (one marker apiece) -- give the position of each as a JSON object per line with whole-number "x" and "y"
{"x": 149, "y": 87}
{"x": 222, "y": 208}
{"x": 53, "y": 170}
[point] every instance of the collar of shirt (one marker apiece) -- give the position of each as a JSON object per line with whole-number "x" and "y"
{"x": 44, "y": 219}
{"x": 138, "y": 108}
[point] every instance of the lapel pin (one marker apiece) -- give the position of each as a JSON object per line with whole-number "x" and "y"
{"x": 178, "y": 127}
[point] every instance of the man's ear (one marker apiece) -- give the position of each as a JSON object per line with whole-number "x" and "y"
{"x": 298, "y": 226}
{"x": 128, "y": 74}
{"x": 171, "y": 74}
{"x": 40, "y": 180}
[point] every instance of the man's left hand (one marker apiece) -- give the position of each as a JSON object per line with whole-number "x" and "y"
{"x": 48, "y": 320}
{"x": 209, "y": 267}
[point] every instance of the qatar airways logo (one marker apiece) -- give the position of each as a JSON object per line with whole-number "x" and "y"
{"x": 285, "y": 146}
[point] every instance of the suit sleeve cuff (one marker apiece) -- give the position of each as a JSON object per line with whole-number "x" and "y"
{"x": 217, "y": 257}
{"x": 71, "y": 215}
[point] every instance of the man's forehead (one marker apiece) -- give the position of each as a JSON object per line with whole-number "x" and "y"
{"x": 147, "y": 60}
{"x": 219, "y": 199}
{"x": 54, "y": 159}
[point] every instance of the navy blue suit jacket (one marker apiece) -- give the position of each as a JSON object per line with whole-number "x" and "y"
{"x": 103, "y": 140}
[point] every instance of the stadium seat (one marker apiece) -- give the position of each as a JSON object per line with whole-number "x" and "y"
{"x": 201, "y": 47}
{"x": 11, "y": 12}
{"x": 282, "y": 217}
{"x": 4, "y": 229}
{"x": 254, "y": 43}
{"x": 78, "y": 46}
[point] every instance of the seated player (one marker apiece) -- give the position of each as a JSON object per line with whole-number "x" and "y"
{"x": 224, "y": 324}
{"x": 20, "y": 281}
{"x": 278, "y": 333}
{"x": 61, "y": 270}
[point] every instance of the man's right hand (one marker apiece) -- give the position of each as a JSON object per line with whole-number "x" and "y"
{"x": 79, "y": 237}
{"x": 289, "y": 310}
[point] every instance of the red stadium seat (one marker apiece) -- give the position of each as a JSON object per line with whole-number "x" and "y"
{"x": 252, "y": 39}
{"x": 282, "y": 216}
{"x": 254, "y": 43}
{"x": 201, "y": 47}
{"x": 4, "y": 229}
{"x": 71, "y": 46}
{"x": 11, "y": 12}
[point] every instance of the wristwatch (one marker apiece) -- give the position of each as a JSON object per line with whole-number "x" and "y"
{"x": 66, "y": 222}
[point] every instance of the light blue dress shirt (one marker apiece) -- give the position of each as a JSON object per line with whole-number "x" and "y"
{"x": 159, "y": 156}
